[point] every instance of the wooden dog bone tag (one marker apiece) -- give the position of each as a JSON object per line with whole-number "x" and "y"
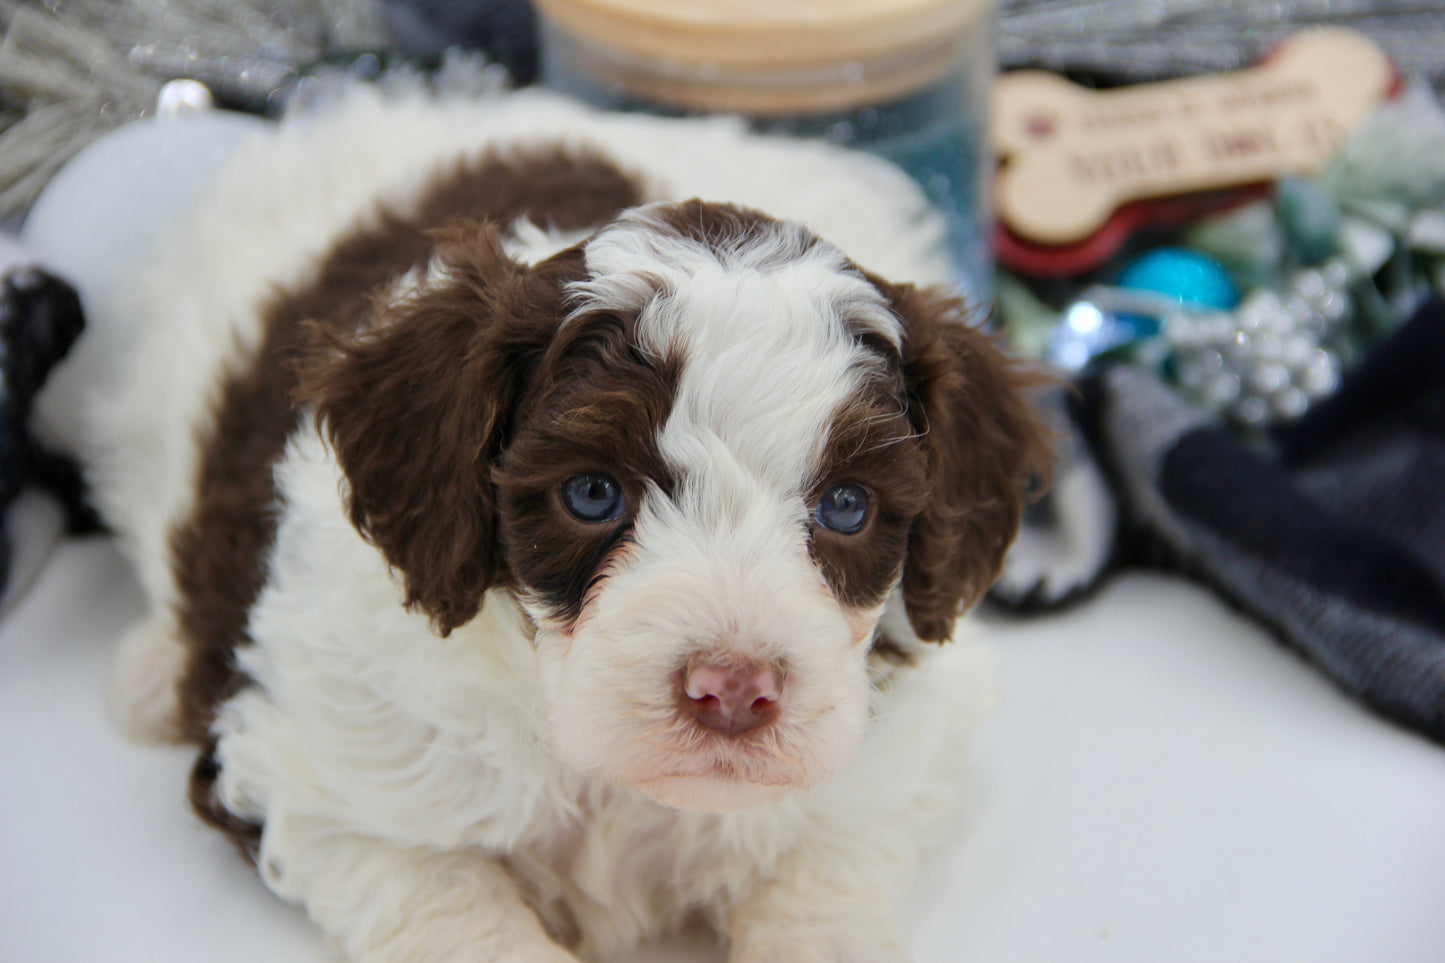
{"x": 1073, "y": 156}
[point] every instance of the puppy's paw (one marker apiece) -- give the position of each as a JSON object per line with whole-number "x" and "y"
{"x": 1066, "y": 543}
{"x": 149, "y": 665}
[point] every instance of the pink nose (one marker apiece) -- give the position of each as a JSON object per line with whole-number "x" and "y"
{"x": 733, "y": 699}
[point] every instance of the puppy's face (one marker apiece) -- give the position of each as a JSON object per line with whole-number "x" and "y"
{"x": 702, "y": 449}
{"x": 705, "y": 503}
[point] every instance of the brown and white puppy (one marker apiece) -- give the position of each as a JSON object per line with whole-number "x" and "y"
{"x": 538, "y": 562}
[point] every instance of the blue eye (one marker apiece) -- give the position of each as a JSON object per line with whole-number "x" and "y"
{"x": 593, "y": 498}
{"x": 843, "y": 508}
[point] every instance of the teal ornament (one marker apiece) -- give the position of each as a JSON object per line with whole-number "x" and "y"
{"x": 1193, "y": 279}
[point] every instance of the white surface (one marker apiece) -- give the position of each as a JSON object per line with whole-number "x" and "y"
{"x": 1164, "y": 783}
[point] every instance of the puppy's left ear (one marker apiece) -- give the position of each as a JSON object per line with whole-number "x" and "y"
{"x": 418, "y": 406}
{"x": 987, "y": 449}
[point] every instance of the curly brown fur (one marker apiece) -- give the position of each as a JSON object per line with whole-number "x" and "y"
{"x": 987, "y": 450}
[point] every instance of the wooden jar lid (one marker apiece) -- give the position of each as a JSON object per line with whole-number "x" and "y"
{"x": 769, "y": 55}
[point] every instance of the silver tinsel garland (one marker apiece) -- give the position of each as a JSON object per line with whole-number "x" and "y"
{"x": 70, "y": 70}
{"x": 1136, "y": 40}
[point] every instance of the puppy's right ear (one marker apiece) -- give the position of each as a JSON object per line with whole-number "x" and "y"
{"x": 418, "y": 406}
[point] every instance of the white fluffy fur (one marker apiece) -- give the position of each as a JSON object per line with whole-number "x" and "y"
{"x": 433, "y": 799}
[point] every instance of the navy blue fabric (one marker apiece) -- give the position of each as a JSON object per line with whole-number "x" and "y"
{"x": 1211, "y": 479}
{"x": 40, "y": 318}
{"x": 1331, "y": 531}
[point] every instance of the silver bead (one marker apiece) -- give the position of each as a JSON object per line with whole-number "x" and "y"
{"x": 1248, "y": 318}
{"x": 1299, "y": 309}
{"x": 1320, "y": 374}
{"x": 1252, "y": 411}
{"x": 1222, "y": 389}
{"x": 1291, "y": 402}
{"x": 1268, "y": 347}
{"x": 1311, "y": 284}
{"x": 1332, "y": 306}
{"x": 1267, "y": 301}
{"x": 180, "y": 97}
{"x": 1268, "y": 378}
{"x": 1336, "y": 274}
{"x": 1295, "y": 349}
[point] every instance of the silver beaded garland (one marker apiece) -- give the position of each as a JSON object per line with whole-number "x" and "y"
{"x": 1273, "y": 356}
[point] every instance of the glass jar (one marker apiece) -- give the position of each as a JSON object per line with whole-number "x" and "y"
{"x": 907, "y": 80}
